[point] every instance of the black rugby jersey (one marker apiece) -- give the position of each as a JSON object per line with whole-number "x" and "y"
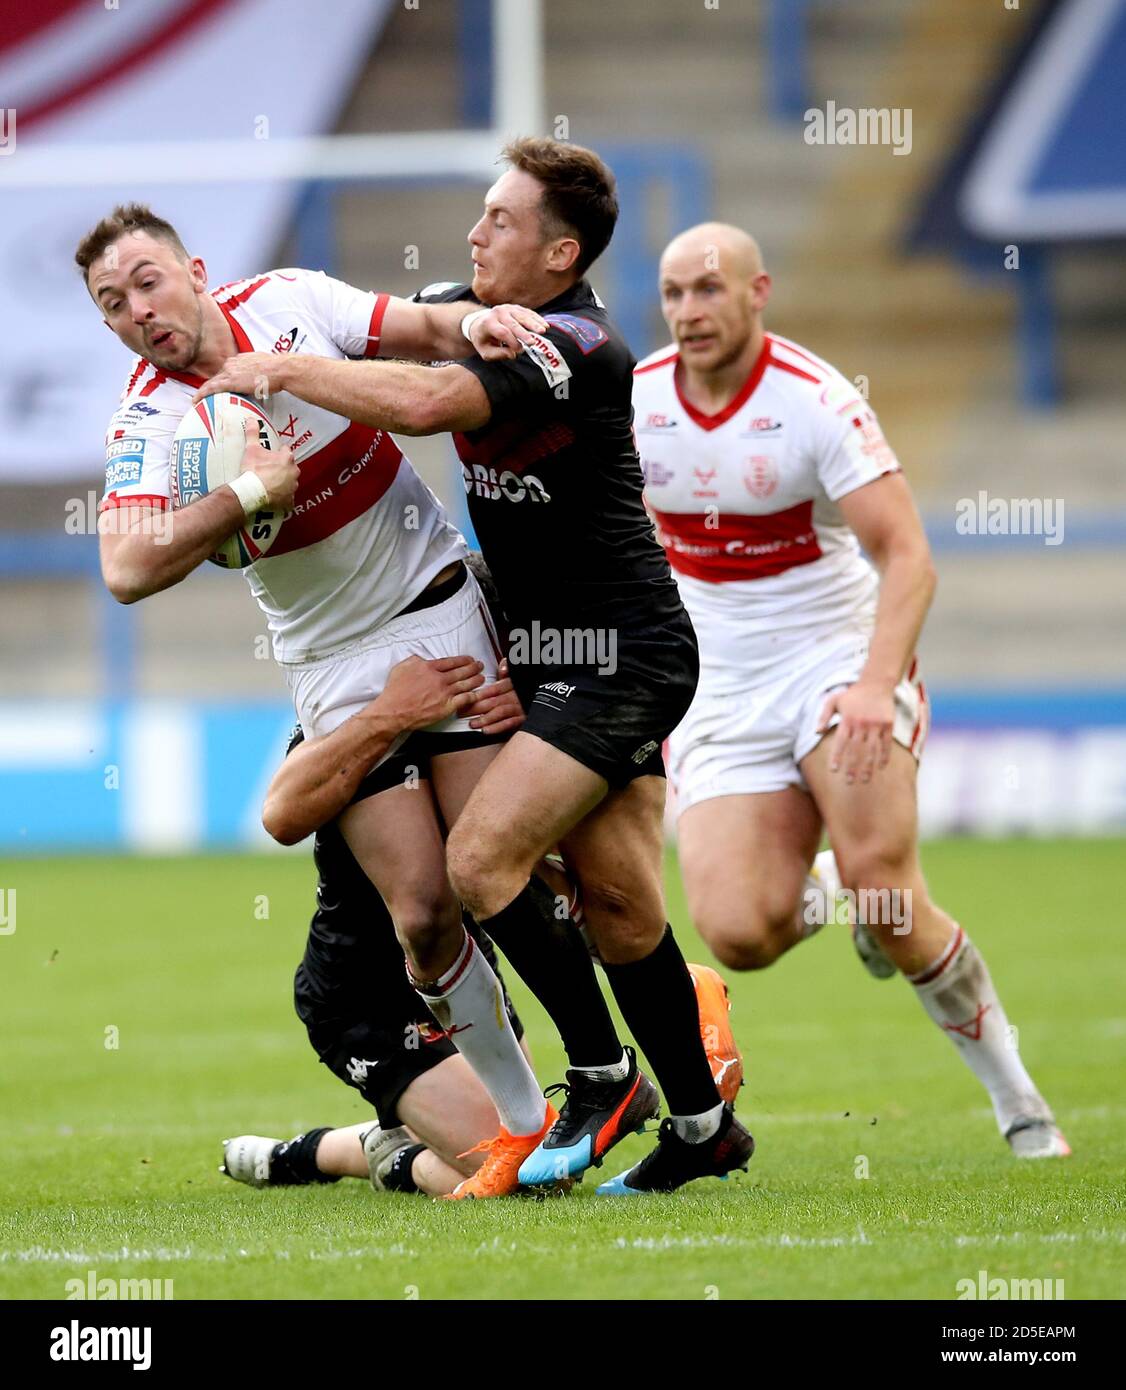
{"x": 554, "y": 482}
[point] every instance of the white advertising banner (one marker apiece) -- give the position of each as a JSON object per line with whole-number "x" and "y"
{"x": 87, "y": 73}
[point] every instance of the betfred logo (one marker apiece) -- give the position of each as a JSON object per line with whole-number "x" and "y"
{"x": 763, "y": 424}
{"x": 655, "y": 420}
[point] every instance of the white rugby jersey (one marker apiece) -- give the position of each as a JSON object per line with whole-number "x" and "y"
{"x": 745, "y": 501}
{"x": 366, "y": 534}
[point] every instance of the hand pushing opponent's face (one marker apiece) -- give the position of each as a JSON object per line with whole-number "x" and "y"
{"x": 713, "y": 289}
{"x": 151, "y": 297}
{"x": 514, "y": 259}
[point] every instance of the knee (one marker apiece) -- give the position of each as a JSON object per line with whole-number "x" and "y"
{"x": 749, "y": 941}
{"x": 626, "y": 924}
{"x": 471, "y": 864}
{"x": 425, "y": 922}
{"x": 875, "y": 865}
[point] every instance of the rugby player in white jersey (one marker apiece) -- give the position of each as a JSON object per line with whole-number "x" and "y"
{"x": 766, "y": 472}
{"x": 365, "y": 572}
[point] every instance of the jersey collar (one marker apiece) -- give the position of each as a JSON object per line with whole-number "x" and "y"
{"x": 737, "y": 402}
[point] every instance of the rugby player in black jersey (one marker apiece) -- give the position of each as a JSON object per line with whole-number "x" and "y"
{"x": 601, "y": 653}
{"x": 365, "y": 1022}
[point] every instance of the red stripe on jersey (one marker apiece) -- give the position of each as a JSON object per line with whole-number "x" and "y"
{"x": 111, "y": 499}
{"x": 138, "y": 371}
{"x": 514, "y": 446}
{"x": 740, "y": 399}
{"x": 188, "y": 378}
{"x": 797, "y": 371}
{"x": 243, "y": 295}
{"x": 242, "y": 342}
{"x": 375, "y": 327}
{"x": 366, "y": 460}
{"x": 798, "y": 352}
{"x": 652, "y": 366}
{"x": 738, "y": 547}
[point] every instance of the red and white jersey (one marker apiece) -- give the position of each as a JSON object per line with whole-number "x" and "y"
{"x": 745, "y": 502}
{"x": 366, "y": 534}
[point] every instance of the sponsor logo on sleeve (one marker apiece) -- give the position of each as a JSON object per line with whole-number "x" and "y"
{"x": 125, "y": 459}
{"x": 585, "y": 332}
{"x": 548, "y": 359}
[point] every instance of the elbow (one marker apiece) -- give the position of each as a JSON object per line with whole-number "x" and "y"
{"x": 279, "y": 825}
{"x": 124, "y": 586}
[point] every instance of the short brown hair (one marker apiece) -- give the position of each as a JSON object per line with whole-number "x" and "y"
{"x": 126, "y": 217}
{"x": 579, "y": 197}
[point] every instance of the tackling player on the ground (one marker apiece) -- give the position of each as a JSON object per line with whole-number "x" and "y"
{"x": 555, "y": 497}
{"x": 766, "y": 472}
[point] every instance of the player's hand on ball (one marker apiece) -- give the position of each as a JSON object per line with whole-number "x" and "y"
{"x": 497, "y": 336}
{"x": 277, "y": 470}
{"x": 255, "y": 374}
{"x": 862, "y": 740}
{"x": 419, "y": 693}
{"x": 496, "y": 708}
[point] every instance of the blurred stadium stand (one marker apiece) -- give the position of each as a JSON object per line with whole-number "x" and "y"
{"x": 700, "y": 111}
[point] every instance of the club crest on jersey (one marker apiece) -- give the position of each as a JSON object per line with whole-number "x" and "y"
{"x": 760, "y": 474}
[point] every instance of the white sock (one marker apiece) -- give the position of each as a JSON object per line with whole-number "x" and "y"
{"x": 819, "y": 895}
{"x": 694, "y": 1129}
{"x": 613, "y": 1071}
{"x": 467, "y": 1001}
{"x": 958, "y": 994}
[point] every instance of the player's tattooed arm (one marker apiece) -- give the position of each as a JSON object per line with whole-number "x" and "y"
{"x": 320, "y": 777}
{"x": 434, "y": 332}
{"x": 397, "y": 396}
{"x": 886, "y": 522}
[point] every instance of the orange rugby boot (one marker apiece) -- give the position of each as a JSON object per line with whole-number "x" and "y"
{"x": 498, "y": 1175}
{"x": 715, "y": 1029}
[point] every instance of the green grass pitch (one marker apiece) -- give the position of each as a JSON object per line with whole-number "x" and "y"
{"x": 146, "y": 1015}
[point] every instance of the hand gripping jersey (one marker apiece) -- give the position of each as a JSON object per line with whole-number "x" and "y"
{"x": 745, "y": 503}
{"x": 366, "y": 535}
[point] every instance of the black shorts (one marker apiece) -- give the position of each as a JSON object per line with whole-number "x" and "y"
{"x": 615, "y": 723}
{"x": 384, "y": 1046}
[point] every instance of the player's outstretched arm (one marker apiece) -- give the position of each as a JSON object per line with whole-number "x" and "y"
{"x": 321, "y": 775}
{"x": 441, "y": 332}
{"x": 395, "y": 396}
{"x": 144, "y": 550}
{"x": 884, "y": 517}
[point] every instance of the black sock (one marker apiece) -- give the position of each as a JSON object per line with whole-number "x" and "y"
{"x": 548, "y": 954}
{"x": 399, "y": 1177}
{"x": 658, "y": 1002}
{"x": 295, "y": 1161}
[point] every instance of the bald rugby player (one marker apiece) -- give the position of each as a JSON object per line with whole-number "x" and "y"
{"x": 770, "y": 482}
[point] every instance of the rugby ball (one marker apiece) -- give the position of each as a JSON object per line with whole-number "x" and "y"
{"x": 207, "y": 452}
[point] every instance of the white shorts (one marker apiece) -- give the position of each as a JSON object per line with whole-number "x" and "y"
{"x": 327, "y": 692}
{"x": 743, "y": 742}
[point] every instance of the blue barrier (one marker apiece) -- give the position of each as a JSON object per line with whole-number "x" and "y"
{"x": 162, "y": 776}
